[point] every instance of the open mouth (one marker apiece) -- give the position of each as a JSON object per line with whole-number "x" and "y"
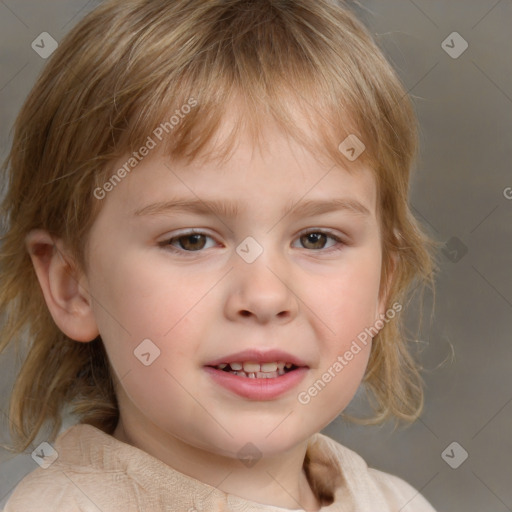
{"x": 252, "y": 370}
{"x": 274, "y": 375}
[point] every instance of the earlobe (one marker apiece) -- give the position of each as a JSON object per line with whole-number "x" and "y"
{"x": 63, "y": 286}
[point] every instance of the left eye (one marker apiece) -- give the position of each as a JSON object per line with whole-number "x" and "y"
{"x": 316, "y": 240}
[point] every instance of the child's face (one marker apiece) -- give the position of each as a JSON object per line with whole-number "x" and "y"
{"x": 307, "y": 296}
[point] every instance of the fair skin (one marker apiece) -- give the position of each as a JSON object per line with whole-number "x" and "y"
{"x": 301, "y": 295}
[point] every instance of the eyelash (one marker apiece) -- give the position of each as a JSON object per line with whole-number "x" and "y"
{"x": 166, "y": 244}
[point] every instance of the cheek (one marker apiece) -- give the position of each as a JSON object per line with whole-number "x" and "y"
{"x": 139, "y": 299}
{"x": 345, "y": 305}
{"x": 346, "y": 300}
{"x": 152, "y": 304}
{"x": 142, "y": 321}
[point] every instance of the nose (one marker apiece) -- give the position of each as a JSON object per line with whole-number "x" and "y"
{"x": 261, "y": 292}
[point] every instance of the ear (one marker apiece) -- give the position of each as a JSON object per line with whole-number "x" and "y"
{"x": 64, "y": 288}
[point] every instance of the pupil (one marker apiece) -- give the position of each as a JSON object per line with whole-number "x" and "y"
{"x": 190, "y": 242}
{"x": 314, "y": 238}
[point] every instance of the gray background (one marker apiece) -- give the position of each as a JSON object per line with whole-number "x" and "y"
{"x": 465, "y": 110}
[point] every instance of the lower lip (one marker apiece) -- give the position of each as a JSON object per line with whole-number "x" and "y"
{"x": 258, "y": 389}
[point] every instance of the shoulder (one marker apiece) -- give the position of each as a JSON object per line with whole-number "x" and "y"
{"x": 81, "y": 478}
{"x": 46, "y": 490}
{"x": 399, "y": 492}
{"x": 367, "y": 485}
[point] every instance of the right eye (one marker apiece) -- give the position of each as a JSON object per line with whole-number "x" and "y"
{"x": 193, "y": 241}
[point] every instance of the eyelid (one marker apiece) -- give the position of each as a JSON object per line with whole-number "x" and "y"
{"x": 325, "y": 231}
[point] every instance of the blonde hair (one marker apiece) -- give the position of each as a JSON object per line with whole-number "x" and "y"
{"x": 116, "y": 77}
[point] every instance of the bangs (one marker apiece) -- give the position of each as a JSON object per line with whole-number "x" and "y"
{"x": 258, "y": 64}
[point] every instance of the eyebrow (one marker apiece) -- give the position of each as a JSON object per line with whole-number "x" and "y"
{"x": 228, "y": 208}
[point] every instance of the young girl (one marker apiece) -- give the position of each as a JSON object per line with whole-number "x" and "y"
{"x": 208, "y": 247}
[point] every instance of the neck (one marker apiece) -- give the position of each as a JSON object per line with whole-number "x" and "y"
{"x": 278, "y": 480}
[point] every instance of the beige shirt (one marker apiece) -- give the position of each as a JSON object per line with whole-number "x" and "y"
{"x": 94, "y": 472}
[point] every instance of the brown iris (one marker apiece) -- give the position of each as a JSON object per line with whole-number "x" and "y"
{"x": 314, "y": 239}
{"x": 192, "y": 242}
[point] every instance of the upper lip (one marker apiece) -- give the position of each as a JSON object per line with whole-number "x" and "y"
{"x": 258, "y": 356}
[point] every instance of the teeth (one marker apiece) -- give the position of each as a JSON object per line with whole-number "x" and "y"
{"x": 256, "y": 367}
{"x": 266, "y": 375}
{"x": 254, "y": 370}
{"x": 250, "y": 367}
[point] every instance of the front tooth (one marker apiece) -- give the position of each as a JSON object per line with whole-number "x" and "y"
{"x": 251, "y": 367}
{"x": 268, "y": 367}
{"x": 266, "y": 375}
{"x": 235, "y": 366}
{"x": 281, "y": 365}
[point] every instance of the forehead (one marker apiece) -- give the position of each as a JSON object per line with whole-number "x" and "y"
{"x": 248, "y": 168}
{"x": 275, "y": 168}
